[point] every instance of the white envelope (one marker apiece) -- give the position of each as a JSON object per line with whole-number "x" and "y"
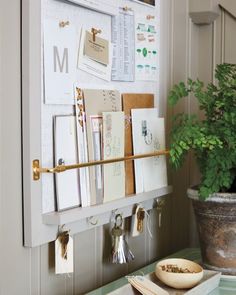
{"x": 67, "y": 183}
{"x": 113, "y": 147}
{"x": 148, "y": 137}
{"x": 59, "y": 62}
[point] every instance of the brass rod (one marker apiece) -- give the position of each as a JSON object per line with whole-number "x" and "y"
{"x": 37, "y": 170}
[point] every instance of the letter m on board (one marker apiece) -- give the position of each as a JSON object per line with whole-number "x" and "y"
{"x": 61, "y": 63}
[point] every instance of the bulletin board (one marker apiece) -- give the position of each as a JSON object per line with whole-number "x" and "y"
{"x": 39, "y": 196}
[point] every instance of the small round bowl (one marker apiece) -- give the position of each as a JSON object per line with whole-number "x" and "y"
{"x": 179, "y": 280}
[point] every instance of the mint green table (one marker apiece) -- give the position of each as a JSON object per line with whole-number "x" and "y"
{"x": 226, "y": 287}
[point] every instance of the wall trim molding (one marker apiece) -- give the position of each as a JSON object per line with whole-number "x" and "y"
{"x": 229, "y": 6}
{"x": 203, "y": 17}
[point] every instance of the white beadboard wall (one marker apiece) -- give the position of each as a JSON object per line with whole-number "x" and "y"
{"x": 192, "y": 51}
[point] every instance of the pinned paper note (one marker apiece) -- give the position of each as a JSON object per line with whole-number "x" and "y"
{"x": 97, "y": 49}
{"x": 89, "y": 59}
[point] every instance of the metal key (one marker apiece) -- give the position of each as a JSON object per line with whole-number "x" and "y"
{"x": 140, "y": 217}
{"x": 64, "y": 240}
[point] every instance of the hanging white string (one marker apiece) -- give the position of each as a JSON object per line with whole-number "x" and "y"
{"x": 148, "y": 223}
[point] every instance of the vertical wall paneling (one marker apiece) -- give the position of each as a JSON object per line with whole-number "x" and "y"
{"x": 110, "y": 271}
{"x": 85, "y": 259}
{"x": 180, "y": 180}
{"x": 35, "y": 254}
{"x": 15, "y": 260}
{"x": 193, "y": 171}
{"x": 58, "y": 284}
{"x": 230, "y": 38}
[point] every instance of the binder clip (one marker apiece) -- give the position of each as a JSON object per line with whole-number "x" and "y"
{"x": 150, "y": 17}
{"x": 62, "y": 24}
{"x": 95, "y": 32}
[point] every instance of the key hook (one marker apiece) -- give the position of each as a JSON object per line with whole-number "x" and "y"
{"x": 118, "y": 220}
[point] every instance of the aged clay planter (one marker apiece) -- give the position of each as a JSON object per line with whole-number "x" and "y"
{"x": 216, "y": 222}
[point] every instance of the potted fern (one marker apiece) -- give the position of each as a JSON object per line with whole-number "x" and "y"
{"x": 213, "y": 141}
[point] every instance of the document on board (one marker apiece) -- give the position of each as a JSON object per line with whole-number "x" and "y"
{"x": 124, "y": 46}
{"x": 82, "y": 147}
{"x": 95, "y": 57}
{"x": 97, "y": 101}
{"x": 66, "y": 153}
{"x": 150, "y": 3}
{"x": 148, "y": 137}
{"x": 132, "y": 101}
{"x": 103, "y": 6}
{"x": 113, "y": 147}
{"x": 146, "y": 48}
{"x": 60, "y": 53}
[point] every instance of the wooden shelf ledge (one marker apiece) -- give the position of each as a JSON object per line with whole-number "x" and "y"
{"x": 127, "y": 203}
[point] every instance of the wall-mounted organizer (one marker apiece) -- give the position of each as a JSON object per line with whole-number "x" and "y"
{"x": 41, "y": 218}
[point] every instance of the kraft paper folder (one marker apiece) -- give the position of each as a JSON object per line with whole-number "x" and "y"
{"x": 132, "y": 101}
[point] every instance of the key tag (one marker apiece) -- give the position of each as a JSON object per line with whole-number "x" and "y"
{"x": 64, "y": 253}
{"x": 136, "y": 222}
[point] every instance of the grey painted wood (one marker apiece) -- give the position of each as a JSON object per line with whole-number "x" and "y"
{"x": 56, "y": 284}
{"x": 160, "y": 243}
{"x": 15, "y": 260}
{"x": 85, "y": 276}
{"x": 77, "y": 214}
{"x": 230, "y": 39}
{"x": 35, "y": 270}
{"x": 110, "y": 271}
{"x": 229, "y": 6}
{"x": 36, "y": 233}
{"x": 204, "y": 5}
{"x": 180, "y": 72}
{"x": 203, "y": 17}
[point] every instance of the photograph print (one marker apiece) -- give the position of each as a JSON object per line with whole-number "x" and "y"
{"x": 149, "y": 2}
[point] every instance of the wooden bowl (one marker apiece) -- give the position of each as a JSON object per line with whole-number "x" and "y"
{"x": 179, "y": 280}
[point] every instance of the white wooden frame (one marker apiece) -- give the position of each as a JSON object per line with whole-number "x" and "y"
{"x": 42, "y": 228}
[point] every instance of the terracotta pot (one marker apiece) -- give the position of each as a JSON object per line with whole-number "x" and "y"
{"x": 216, "y": 222}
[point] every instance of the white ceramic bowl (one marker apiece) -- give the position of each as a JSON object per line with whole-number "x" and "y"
{"x": 179, "y": 280}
